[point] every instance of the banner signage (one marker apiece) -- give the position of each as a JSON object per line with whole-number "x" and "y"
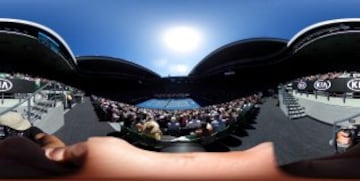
{"x": 17, "y": 86}
{"x": 301, "y": 85}
{"x": 339, "y": 85}
{"x": 354, "y": 84}
{"x": 322, "y": 85}
{"x": 5, "y": 85}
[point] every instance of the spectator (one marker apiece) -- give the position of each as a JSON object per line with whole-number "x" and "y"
{"x": 69, "y": 100}
{"x": 343, "y": 137}
{"x": 151, "y": 128}
{"x": 205, "y": 130}
{"x": 217, "y": 123}
{"x": 173, "y": 127}
{"x": 194, "y": 123}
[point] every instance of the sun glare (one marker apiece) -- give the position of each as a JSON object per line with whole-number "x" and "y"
{"x": 182, "y": 39}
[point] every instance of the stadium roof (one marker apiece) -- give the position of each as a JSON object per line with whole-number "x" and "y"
{"x": 334, "y": 45}
{"x": 322, "y": 30}
{"x": 243, "y": 52}
{"x": 33, "y": 48}
{"x": 35, "y": 30}
{"x": 102, "y": 65}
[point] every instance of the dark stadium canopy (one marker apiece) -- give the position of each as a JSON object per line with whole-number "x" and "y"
{"x": 326, "y": 46}
{"x": 102, "y": 65}
{"x": 240, "y": 53}
{"x": 242, "y": 66}
{"x": 32, "y": 48}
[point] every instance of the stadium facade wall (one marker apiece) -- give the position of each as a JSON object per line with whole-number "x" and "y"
{"x": 328, "y": 110}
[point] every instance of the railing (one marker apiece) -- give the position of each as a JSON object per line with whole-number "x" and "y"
{"x": 28, "y": 99}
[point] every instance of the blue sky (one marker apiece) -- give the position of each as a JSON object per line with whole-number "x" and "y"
{"x": 134, "y": 29}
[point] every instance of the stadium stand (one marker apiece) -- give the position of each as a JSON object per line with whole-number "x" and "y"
{"x": 218, "y": 119}
{"x": 292, "y": 108}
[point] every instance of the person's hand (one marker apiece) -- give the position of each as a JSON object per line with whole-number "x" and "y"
{"x": 344, "y": 138}
{"x": 115, "y": 158}
{"x": 344, "y": 133}
{"x": 49, "y": 141}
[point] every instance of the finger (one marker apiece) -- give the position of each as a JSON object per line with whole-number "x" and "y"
{"x": 74, "y": 154}
{"x": 55, "y": 154}
{"x": 39, "y": 136}
{"x": 49, "y": 141}
{"x": 52, "y": 141}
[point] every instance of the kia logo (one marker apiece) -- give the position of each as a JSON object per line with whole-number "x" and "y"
{"x": 5, "y": 85}
{"x": 322, "y": 85}
{"x": 301, "y": 85}
{"x": 354, "y": 84}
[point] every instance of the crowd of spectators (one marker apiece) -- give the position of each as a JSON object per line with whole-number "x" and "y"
{"x": 23, "y": 77}
{"x": 332, "y": 75}
{"x": 155, "y": 122}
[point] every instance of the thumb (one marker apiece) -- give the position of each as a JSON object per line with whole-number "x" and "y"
{"x": 74, "y": 154}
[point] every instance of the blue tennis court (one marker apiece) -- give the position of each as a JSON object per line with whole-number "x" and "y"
{"x": 169, "y": 104}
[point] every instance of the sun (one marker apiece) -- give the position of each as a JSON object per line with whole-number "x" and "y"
{"x": 182, "y": 39}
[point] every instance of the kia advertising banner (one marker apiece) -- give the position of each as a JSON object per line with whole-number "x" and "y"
{"x": 335, "y": 85}
{"x": 17, "y": 86}
{"x": 322, "y": 85}
{"x": 353, "y": 85}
